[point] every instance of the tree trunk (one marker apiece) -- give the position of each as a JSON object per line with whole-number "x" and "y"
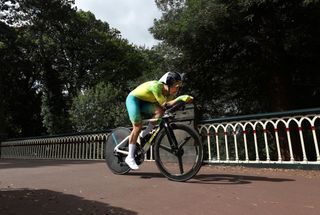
{"x": 281, "y": 99}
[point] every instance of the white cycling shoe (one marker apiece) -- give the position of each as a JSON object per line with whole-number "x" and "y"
{"x": 131, "y": 163}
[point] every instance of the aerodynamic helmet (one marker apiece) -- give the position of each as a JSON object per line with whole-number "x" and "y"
{"x": 171, "y": 78}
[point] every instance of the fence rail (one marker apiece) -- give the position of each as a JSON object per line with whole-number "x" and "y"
{"x": 75, "y": 147}
{"x": 281, "y": 138}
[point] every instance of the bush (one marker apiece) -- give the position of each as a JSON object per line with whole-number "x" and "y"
{"x": 99, "y": 108}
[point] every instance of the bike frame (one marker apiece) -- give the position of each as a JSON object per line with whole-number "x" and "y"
{"x": 164, "y": 124}
{"x": 170, "y": 141}
{"x": 124, "y": 141}
{"x": 116, "y": 149}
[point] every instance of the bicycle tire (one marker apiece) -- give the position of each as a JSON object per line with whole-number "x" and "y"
{"x": 114, "y": 161}
{"x": 190, "y": 153}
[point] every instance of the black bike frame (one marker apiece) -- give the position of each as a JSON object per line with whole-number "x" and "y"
{"x": 172, "y": 137}
{"x": 164, "y": 124}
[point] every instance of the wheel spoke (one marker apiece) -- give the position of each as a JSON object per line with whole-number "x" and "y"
{"x": 166, "y": 148}
{"x": 184, "y": 160}
{"x": 180, "y": 164}
{"x": 184, "y": 142}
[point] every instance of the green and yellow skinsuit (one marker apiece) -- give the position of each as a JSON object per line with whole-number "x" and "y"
{"x": 145, "y": 99}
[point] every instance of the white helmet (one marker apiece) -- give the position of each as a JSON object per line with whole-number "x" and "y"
{"x": 170, "y": 78}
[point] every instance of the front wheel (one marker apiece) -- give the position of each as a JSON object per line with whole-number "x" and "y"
{"x": 184, "y": 162}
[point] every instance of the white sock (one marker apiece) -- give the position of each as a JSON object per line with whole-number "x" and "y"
{"x": 132, "y": 148}
{"x": 147, "y": 130}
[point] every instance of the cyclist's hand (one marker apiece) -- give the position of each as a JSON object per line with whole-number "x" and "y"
{"x": 185, "y": 98}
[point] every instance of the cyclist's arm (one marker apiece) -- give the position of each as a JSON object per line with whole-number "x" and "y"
{"x": 171, "y": 103}
{"x": 184, "y": 98}
{"x": 163, "y": 101}
{"x": 157, "y": 93}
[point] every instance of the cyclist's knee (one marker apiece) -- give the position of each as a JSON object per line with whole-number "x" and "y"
{"x": 159, "y": 112}
{"x": 137, "y": 127}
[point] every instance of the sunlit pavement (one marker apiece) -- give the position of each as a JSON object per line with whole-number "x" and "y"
{"x": 88, "y": 187}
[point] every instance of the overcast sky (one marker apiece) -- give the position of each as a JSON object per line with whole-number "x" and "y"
{"x": 132, "y": 18}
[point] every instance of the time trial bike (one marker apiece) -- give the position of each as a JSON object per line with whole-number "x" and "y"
{"x": 177, "y": 148}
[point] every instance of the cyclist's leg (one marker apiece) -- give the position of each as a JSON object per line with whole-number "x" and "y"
{"x": 151, "y": 110}
{"x": 159, "y": 111}
{"x": 130, "y": 160}
{"x": 147, "y": 130}
{"x": 133, "y": 108}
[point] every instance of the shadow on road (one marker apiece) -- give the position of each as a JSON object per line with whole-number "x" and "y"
{"x": 35, "y": 202}
{"x": 233, "y": 179}
{"x": 215, "y": 178}
{"x": 20, "y": 163}
{"x": 146, "y": 175}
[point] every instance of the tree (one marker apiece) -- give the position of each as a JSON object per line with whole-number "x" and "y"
{"x": 70, "y": 51}
{"x": 99, "y": 108}
{"x": 20, "y": 98}
{"x": 246, "y": 56}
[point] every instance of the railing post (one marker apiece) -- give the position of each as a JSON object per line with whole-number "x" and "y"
{"x": 2, "y": 137}
{"x": 294, "y": 140}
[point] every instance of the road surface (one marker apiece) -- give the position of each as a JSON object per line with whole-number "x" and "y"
{"x": 35, "y": 187}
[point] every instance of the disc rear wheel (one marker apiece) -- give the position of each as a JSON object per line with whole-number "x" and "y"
{"x": 114, "y": 160}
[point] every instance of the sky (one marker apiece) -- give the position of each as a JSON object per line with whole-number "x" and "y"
{"x": 132, "y": 18}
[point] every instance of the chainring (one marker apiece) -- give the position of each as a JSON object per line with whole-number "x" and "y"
{"x": 139, "y": 155}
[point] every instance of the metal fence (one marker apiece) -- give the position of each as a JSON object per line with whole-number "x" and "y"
{"x": 281, "y": 138}
{"x": 72, "y": 147}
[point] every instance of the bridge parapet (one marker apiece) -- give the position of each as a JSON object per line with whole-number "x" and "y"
{"x": 290, "y": 137}
{"x": 280, "y": 138}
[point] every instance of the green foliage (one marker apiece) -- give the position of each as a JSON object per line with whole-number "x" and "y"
{"x": 60, "y": 51}
{"x": 246, "y": 56}
{"x": 157, "y": 61}
{"x": 240, "y": 57}
{"x": 19, "y": 97}
{"x": 99, "y": 108}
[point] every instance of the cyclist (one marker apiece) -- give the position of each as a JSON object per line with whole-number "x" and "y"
{"x": 151, "y": 99}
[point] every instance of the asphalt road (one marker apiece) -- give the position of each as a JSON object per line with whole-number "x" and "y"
{"x": 35, "y": 187}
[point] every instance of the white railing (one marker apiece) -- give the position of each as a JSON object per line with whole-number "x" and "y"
{"x": 269, "y": 138}
{"x": 75, "y": 147}
{"x": 281, "y": 138}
